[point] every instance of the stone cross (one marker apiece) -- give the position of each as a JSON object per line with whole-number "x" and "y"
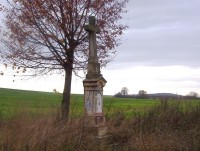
{"x": 92, "y": 29}
{"x": 93, "y": 65}
{"x": 93, "y": 85}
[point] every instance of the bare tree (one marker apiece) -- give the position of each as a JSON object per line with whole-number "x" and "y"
{"x": 47, "y": 37}
{"x": 142, "y": 94}
{"x": 193, "y": 94}
{"x": 124, "y": 91}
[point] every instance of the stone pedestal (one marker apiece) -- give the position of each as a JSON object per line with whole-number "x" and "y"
{"x": 96, "y": 125}
{"x": 93, "y": 105}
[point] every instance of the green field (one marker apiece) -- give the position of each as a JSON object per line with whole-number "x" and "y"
{"x": 134, "y": 124}
{"x": 14, "y": 102}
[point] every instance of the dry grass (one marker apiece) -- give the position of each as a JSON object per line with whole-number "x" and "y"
{"x": 164, "y": 128}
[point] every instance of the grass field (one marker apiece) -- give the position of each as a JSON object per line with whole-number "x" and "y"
{"x": 12, "y": 102}
{"x": 26, "y": 123}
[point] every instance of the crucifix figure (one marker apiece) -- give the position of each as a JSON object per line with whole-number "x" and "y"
{"x": 93, "y": 65}
{"x": 93, "y": 85}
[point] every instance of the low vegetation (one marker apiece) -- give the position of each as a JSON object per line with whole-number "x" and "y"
{"x": 133, "y": 125}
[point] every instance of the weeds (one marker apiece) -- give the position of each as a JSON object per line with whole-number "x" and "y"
{"x": 167, "y": 126}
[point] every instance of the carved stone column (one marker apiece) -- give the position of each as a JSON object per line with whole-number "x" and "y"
{"x": 93, "y": 86}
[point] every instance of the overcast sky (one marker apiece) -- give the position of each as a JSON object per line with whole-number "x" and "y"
{"x": 158, "y": 53}
{"x": 162, "y": 33}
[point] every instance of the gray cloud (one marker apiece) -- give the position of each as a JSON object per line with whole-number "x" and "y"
{"x": 162, "y": 33}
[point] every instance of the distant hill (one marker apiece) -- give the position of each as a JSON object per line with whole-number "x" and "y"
{"x": 151, "y": 96}
{"x": 164, "y": 95}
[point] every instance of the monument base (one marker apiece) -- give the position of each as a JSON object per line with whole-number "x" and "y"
{"x": 93, "y": 102}
{"x": 96, "y": 125}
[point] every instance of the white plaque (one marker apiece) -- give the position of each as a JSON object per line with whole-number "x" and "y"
{"x": 99, "y": 103}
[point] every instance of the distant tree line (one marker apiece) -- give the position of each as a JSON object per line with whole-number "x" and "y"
{"x": 142, "y": 94}
{"x": 124, "y": 94}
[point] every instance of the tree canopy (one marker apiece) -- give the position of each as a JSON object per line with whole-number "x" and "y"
{"x": 45, "y": 36}
{"x": 41, "y": 33}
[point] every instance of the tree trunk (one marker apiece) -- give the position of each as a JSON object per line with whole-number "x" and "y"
{"x": 66, "y": 94}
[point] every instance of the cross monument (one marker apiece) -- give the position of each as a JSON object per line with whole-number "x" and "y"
{"x": 93, "y": 65}
{"x": 93, "y": 85}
